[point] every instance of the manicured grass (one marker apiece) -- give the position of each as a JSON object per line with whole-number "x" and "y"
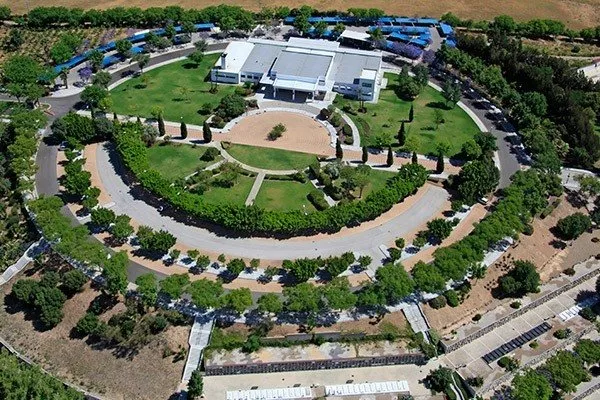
{"x": 234, "y": 195}
{"x": 284, "y": 196}
{"x": 377, "y": 180}
{"x": 165, "y": 87}
{"x": 385, "y": 117}
{"x": 275, "y": 159}
{"x": 177, "y": 160}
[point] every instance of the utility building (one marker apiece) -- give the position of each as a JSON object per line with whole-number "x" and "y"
{"x": 306, "y": 67}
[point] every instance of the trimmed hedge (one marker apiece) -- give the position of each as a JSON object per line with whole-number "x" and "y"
{"x": 256, "y": 220}
{"x": 317, "y": 199}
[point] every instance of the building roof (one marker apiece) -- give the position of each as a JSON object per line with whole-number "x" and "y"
{"x": 350, "y": 65}
{"x": 303, "y": 63}
{"x": 367, "y": 388}
{"x": 236, "y": 55}
{"x": 261, "y": 58}
{"x": 313, "y": 44}
{"x": 363, "y": 36}
{"x": 271, "y": 394}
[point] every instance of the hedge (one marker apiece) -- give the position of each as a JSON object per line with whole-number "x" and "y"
{"x": 255, "y": 220}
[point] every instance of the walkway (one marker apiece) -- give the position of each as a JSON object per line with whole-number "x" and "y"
{"x": 28, "y": 256}
{"x": 255, "y": 188}
{"x": 199, "y": 338}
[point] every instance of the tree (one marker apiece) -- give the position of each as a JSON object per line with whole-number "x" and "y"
{"x": 103, "y": 217}
{"x": 471, "y": 150}
{"x": 393, "y": 282}
{"x": 439, "y": 229}
{"x": 487, "y": 142}
{"x": 572, "y": 226}
{"x": 195, "y": 385}
{"x": 438, "y": 118}
{"x": 60, "y": 52}
{"x": 170, "y": 31}
{"x": 49, "y": 302}
{"x": 238, "y": 300}
{"x": 522, "y": 279}
{"x": 196, "y": 57}
{"x": 72, "y": 281}
{"x": 161, "y": 242}
{"x": 588, "y": 350}
{"x": 304, "y": 268}
{"x": 102, "y": 79}
{"x": 183, "y": 130}
{"x": 567, "y": 370}
{"x": 201, "y": 45}
{"x": 451, "y": 92}
{"x": 20, "y": 75}
{"x": 114, "y": 273}
{"x": 92, "y": 96}
{"x": 147, "y": 288}
{"x": 206, "y": 132}
{"x": 319, "y": 28}
{"x": 427, "y": 278}
{"x": 411, "y": 113}
{"x": 76, "y": 181}
{"x": 338, "y": 294}
{"x": 174, "y": 285}
{"x": 14, "y": 40}
{"x": 421, "y": 74}
{"x": 476, "y": 179}
{"x": 123, "y": 47}
{"x": 236, "y": 266}
{"x": 121, "y": 229}
{"x": 440, "y": 379}
{"x": 231, "y": 106}
{"x": 303, "y": 297}
{"x": 205, "y": 293}
{"x": 270, "y": 303}
{"x": 402, "y": 135}
{"x": 142, "y": 60}
{"x": 339, "y": 152}
{"x": 88, "y": 325}
{"x": 390, "y": 157}
{"x": 95, "y": 59}
{"x": 365, "y": 154}
{"x": 161, "y": 126}
{"x": 531, "y": 385}
{"x": 24, "y": 289}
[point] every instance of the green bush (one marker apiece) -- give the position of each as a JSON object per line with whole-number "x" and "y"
{"x": 573, "y": 226}
{"x": 438, "y": 302}
{"x": 452, "y": 298}
{"x": 210, "y": 154}
{"x": 316, "y": 198}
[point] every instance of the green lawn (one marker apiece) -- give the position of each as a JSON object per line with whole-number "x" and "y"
{"x": 234, "y": 195}
{"x": 384, "y": 118}
{"x": 165, "y": 87}
{"x": 275, "y": 159}
{"x": 377, "y": 180}
{"x": 176, "y": 160}
{"x": 284, "y": 196}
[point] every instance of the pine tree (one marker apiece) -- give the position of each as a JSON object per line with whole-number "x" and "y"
{"x": 183, "y": 129}
{"x": 138, "y": 120}
{"x": 161, "y": 126}
{"x": 411, "y": 113}
{"x": 415, "y": 160}
{"x": 402, "y": 135}
{"x": 365, "y": 154}
{"x": 195, "y": 385}
{"x": 390, "y": 157}
{"x": 440, "y": 163}
{"x": 115, "y": 117}
{"x": 206, "y": 132}
{"x": 339, "y": 153}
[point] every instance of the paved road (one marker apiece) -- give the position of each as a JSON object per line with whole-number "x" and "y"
{"x": 46, "y": 183}
{"x": 366, "y": 242}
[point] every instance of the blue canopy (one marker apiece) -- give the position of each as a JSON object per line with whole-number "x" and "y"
{"x": 446, "y": 29}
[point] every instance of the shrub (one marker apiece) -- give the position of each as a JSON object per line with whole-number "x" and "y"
{"x": 210, "y": 154}
{"x": 476, "y": 317}
{"x": 562, "y": 333}
{"x": 324, "y": 114}
{"x": 515, "y": 304}
{"x": 317, "y": 200}
{"x": 438, "y": 302}
{"x": 395, "y": 254}
{"x": 508, "y": 363}
{"x": 277, "y": 132}
{"x": 452, "y": 298}
{"x": 336, "y": 120}
{"x": 588, "y": 313}
{"x": 88, "y": 325}
{"x": 573, "y": 226}
{"x": 400, "y": 243}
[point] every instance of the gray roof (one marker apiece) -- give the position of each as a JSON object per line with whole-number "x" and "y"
{"x": 308, "y": 65}
{"x": 349, "y": 66}
{"x": 261, "y": 58}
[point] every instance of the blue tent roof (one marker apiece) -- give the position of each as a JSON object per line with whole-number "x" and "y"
{"x": 450, "y": 43}
{"x": 446, "y": 29}
{"x": 427, "y": 21}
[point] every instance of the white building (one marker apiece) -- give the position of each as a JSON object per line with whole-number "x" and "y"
{"x": 311, "y": 67}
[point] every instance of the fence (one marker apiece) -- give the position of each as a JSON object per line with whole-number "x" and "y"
{"x": 448, "y": 348}
{"x": 314, "y": 365}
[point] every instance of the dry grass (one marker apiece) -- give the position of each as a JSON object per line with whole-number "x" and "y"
{"x": 147, "y": 376}
{"x": 575, "y": 13}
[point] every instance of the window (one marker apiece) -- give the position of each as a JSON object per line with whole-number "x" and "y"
{"x": 367, "y": 85}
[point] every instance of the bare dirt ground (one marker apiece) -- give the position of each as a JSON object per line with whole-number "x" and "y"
{"x": 303, "y": 134}
{"x": 147, "y": 376}
{"x": 575, "y": 13}
{"x": 536, "y": 248}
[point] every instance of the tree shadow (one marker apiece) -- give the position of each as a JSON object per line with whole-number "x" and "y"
{"x": 190, "y": 65}
{"x": 140, "y": 86}
{"x": 439, "y": 105}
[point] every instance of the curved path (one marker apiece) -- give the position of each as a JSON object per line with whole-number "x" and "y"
{"x": 47, "y": 183}
{"x": 361, "y": 241}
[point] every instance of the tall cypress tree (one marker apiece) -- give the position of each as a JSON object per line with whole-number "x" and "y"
{"x": 161, "y": 126}
{"x": 339, "y": 153}
{"x": 183, "y": 129}
{"x": 390, "y": 157}
{"x": 415, "y": 160}
{"x": 402, "y": 135}
{"x": 411, "y": 113}
{"x": 206, "y": 132}
{"x": 439, "y": 168}
{"x": 138, "y": 120}
{"x": 115, "y": 117}
{"x": 365, "y": 154}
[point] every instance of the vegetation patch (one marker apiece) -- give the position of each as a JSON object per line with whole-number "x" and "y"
{"x": 267, "y": 158}
{"x": 178, "y": 160}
